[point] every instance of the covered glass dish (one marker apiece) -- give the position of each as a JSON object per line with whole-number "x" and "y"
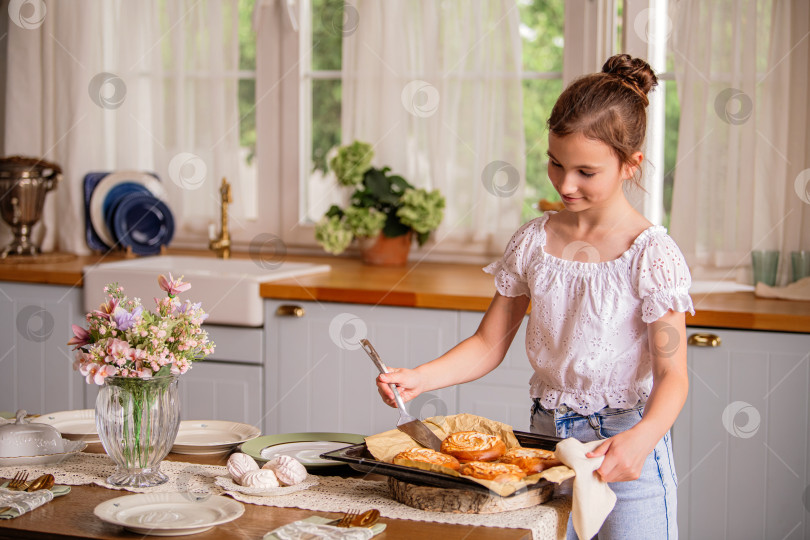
{"x": 23, "y": 439}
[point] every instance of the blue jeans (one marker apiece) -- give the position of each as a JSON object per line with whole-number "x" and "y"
{"x": 645, "y": 508}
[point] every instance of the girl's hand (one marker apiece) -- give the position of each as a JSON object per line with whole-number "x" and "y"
{"x": 625, "y": 454}
{"x": 408, "y": 381}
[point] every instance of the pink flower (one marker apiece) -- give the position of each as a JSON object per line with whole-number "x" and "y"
{"x": 173, "y": 286}
{"x": 80, "y": 337}
{"x": 102, "y": 373}
{"x": 117, "y": 347}
{"x": 107, "y": 308}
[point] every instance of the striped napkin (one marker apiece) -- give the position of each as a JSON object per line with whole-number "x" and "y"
{"x": 315, "y": 527}
{"x": 20, "y": 502}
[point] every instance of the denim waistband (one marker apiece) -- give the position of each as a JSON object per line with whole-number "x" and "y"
{"x": 565, "y": 410}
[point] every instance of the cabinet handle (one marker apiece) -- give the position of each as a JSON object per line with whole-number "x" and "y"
{"x": 289, "y": 310}
{"x": 704, "y": 340}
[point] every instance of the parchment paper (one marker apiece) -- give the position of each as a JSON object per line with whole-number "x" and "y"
{"x": 384, "y": 446}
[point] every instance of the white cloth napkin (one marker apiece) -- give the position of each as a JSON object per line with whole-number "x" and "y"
{"x": 798, "y": 290}
{"x": 593, "y": 499}
{"x": 21, "y": 502}
{"x": 315, "y": 527}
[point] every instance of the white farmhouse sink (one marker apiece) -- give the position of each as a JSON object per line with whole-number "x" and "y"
{"x": 228, "y": 289}
{"x": 701, "y": 287}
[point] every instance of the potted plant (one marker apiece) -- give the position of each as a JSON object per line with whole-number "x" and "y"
{"x": 384, "y": 212}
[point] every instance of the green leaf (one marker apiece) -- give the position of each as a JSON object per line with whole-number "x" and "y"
{"x": 393, "y": 227}
{"x": 399, "y": 183}
{"x": 376, "y": 183}
{"x": 333, "y": 211}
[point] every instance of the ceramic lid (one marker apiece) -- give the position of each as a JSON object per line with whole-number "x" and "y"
{"x": 24, "y": 439}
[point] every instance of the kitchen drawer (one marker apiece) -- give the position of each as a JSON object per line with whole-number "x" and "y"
{"x": 236, "y": 344}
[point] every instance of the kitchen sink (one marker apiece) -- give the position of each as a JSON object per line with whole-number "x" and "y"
{"x": 228, "y": 289}
{"x": 700, "y": 287}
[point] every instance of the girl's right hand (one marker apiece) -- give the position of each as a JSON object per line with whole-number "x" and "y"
{"x": 408, "y": 381}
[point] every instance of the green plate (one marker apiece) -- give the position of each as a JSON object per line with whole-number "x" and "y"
{"x": 305, "y": 447}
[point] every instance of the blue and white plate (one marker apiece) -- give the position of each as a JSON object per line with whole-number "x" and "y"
{"x": 103, "y": 189}
{"x": 116, "y": 196}
{"x": 144, "y": 223}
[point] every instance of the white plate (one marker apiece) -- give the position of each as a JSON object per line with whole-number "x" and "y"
{"x": 103, "y": 188}
{"x": 168, "y": 514}
{"x": 211, "y": 436}
{"x": 71, "y": 448}
{"x": 306, "y": 452}
{"x": 74, "y": 425}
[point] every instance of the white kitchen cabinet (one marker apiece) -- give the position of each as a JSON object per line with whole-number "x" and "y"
{"x": 226, "y": 385}
{"x": 36, "y": 365}
{"x": 742, "y": 441}
{"x": 503, "y": 394}
{"x": 319, "y": 379}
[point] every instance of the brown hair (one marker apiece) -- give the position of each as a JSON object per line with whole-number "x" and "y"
{"x": 609, "y": 106}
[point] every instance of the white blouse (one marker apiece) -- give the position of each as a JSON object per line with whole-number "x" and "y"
{"x": 587, "y": 333}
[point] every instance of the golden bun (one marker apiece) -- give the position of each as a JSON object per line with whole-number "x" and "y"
{"x": 497, "y": 472}
{"x": 473, "y": 446}
{"x": 530, "y": 460}
{"x": 426, "y": 455}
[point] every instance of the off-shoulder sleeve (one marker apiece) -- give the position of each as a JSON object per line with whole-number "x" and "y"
{"x": 663, "y": 279}
{"x": 510, "y": 270}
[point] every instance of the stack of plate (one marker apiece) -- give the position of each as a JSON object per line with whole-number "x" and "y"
{"x": 127, "y": 209}
{"x": 193, "y": 436}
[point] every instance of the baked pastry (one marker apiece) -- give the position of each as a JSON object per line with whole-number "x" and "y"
{"x": 426, "y": 455}
{"x": 487, "y": 470}
{"x": 473, "y": 446}
{"x": 530, "y": 460}
{"x": 239, "y": 464}
{"x": 262, "y": 478}
{"x": 289, "y": 470}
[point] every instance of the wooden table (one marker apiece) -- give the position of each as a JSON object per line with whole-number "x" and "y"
{"x": 72, "y": 516}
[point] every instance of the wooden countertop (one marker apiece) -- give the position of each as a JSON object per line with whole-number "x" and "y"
{"x": 434, "y": 285}
{"x": 72, "y": 517}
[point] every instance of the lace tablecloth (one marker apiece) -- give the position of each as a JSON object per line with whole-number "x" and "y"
{"x": 330, "y": 494}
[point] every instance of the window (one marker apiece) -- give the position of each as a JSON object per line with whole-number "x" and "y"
{"x": 306, "y": 122}
{"x": 541, "y": 31}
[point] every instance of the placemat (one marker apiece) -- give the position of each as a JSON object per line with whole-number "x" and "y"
{"x": 330, "y": 494}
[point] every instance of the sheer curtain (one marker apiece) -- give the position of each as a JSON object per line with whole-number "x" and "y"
{"x": 742, "y": 178}
{"x": 110, "y": 85}
{"x": 435, "y": 87}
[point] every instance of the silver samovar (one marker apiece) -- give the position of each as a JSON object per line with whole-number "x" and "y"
{"x": 24, "y": 182}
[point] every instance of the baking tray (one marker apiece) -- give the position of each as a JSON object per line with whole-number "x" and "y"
{"x": 360, "y": 459}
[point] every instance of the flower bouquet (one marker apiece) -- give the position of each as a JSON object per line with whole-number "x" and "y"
{"x": 136, "y": 357}
{"x": 382, "y": 204}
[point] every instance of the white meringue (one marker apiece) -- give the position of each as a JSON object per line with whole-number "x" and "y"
{"x": 239, "y": 464}
{"x": 262, "y": 478}
{"x": 289, "y": 470}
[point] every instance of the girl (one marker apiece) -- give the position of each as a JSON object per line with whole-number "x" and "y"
{"x": 606, "y": 334}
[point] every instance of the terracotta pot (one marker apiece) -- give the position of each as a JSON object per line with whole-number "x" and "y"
{"x": 384, "y": 251}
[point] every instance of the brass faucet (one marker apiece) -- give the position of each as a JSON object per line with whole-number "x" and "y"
{"x": 222, "y": 245}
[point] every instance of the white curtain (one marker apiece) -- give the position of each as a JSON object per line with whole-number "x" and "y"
{"x": 97, "y": 85}
{"x": 742, "y": 179}
{"x": 435, "y": 87}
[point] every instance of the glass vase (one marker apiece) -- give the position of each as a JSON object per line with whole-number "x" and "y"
{"x": 137, "y": 421}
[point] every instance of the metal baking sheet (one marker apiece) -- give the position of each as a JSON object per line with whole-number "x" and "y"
{"x": 360, "y": 459}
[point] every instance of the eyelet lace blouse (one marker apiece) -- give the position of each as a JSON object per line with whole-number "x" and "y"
{"x": 587, "y": 332}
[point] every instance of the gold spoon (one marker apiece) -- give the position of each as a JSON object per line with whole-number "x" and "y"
{"x": 45, "y": 481}
{"x": 366, "y": 519}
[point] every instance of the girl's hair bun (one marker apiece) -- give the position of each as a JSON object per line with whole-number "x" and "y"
{"x": 634, "y": 71}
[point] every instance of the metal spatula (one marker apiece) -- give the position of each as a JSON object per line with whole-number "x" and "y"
{"x": 413, "y": 427}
